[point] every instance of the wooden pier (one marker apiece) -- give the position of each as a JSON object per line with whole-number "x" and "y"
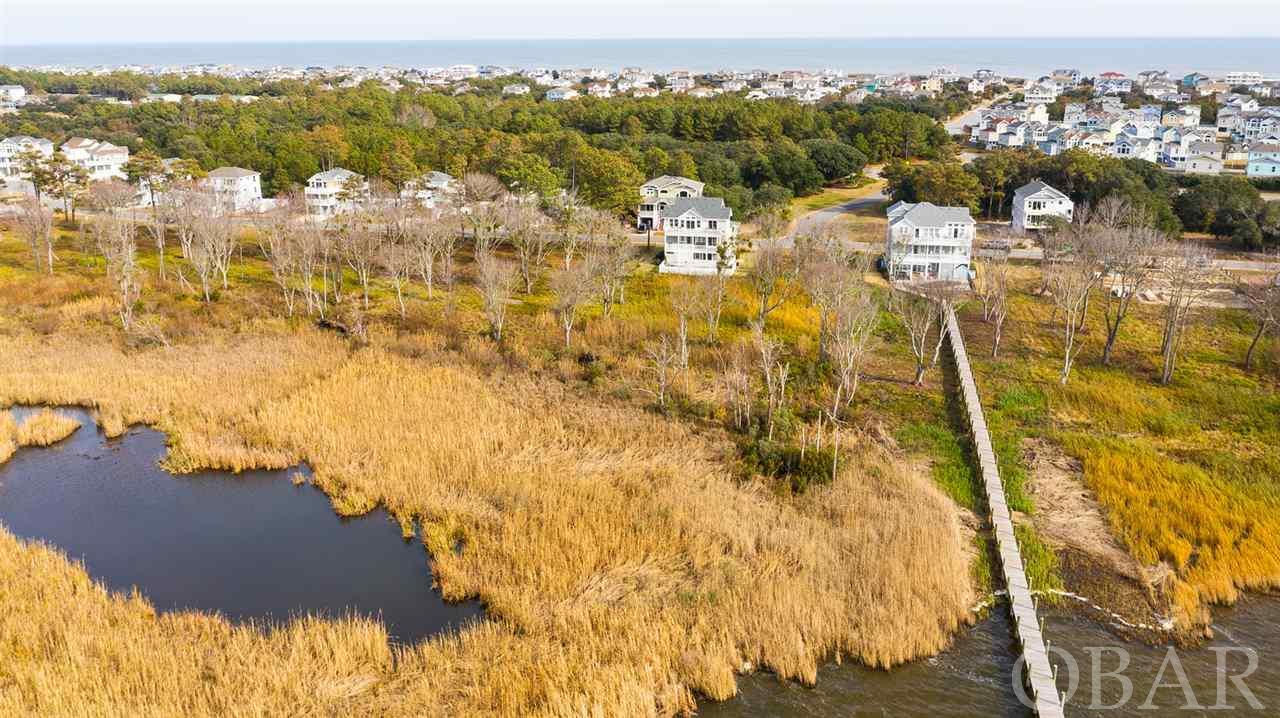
{"x": 1039, "y": 673}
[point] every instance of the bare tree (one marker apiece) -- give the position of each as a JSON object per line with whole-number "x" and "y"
{"x": 854, "y": 319}
{"x": 735, "y": 385}
{"x": 918, "y": 316}
{"x": 774, "y": 371}
{"x": 712, "y": 291}
{"x": 572, "y": 288}
{"x": 112, "y": 196}
{"x": 827, "y": 273}
{"x": 35, "y": 224}
{"x": 610, "y": 257}
{"x": 1186, "y": 275}
{"x": 281, "y": 248}
{"x": 115, "y": 240}
{"x": 496, "y": 283}
{"x": 663, "y": 358}
{"x": 360, "y": 243}
{"x": 478, "y": 187}
{"x": 992, "y": 260}
{"x": 527, "y": 234}
{"x": 997, "y": 272}
{"x": 486, "y": 222}
{"x": 773, "y": 274}
{"x": 684, "y": 298}
{"x": 314, "y": 248}
{"x": 1264, "y": 305}
{"x": 568, "y": 216}
{"x": 1071, "y": 279}
{"x": 1127, "y": 253}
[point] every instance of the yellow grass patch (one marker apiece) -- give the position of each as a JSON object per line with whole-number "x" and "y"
{"x": 45, "y": 427}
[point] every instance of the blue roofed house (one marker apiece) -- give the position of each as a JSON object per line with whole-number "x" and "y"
{"x": 927, "y": 242}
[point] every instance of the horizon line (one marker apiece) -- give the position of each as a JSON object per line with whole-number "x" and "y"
{"x": 743, "y": 38}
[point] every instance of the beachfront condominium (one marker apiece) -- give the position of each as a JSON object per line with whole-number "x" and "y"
{"x": 700, "y": 237}
{"x": 926, "y": 242}
{"x": 658, "y": 192}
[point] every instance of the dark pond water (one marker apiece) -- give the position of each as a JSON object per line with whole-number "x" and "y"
{"x": 250, "y": 545}
{"x": 974, "y": 677}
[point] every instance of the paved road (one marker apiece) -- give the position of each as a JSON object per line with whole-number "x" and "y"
{"x": 956, "y": 125}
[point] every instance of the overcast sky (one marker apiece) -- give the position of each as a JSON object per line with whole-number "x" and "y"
{"x": 24, "y": 22}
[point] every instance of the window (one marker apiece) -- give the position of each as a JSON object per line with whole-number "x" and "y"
{"x": 711, "y": 224}
{"x": 700, "y": 241}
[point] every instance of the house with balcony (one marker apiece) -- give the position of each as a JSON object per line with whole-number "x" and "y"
{"x": 699, "y": 237}
{"x": 1264, "y": 161}
{"x": 11, "y": 149}
{"x": 560, "y": 94}
{"x": 1035, "y": 204}
{"x": 333, "y": 192}
{"x": 235, "y": 188}
{"x": 927, "y": 242}
{"x": 102, "y": 160}
{"x": 430, "y": 188}
{"x": 659, "y": 192}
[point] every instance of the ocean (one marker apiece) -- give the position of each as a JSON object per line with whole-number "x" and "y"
{"x": 1019, "y": 57}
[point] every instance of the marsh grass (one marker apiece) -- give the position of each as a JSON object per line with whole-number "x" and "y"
{"x": 625, "y": 567}
{"x": 45, "y": 427}
{"x": 1187, "y": 474}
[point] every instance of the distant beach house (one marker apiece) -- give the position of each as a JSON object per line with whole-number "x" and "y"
{"x": 560, "y": 94}
{"x": 102, "y": 160}
{"x": 926, "y": 242}
{"x": 515, "y": 89}
{"x": 12, "y": 147}
{"x": 334, "y": 191}
{"x": 236, "y": 188}
{"x": 657, "y": 193}
{"x": 1264, "y": 161}
{"x": 700, "y": 237}
{"x": 429, "y": 188}
{"x": 1035, "y": 203}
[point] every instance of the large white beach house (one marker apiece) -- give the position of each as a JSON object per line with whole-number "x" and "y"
{"x": 328, "y": 193}
{"x": 102, "y": 160}
{"x": 658, "y": 192}
{"x": 927, "y": 242}
{"x": 1035, "y": 202}
{"x": 700, "y": 237}
{"x": 236, "y": 188}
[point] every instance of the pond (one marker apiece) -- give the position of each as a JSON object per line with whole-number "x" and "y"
{"x": 250, "y": 546}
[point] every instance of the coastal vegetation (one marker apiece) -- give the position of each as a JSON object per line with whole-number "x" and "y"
{"x": 755, "y": 154}
{"x": 631, "y": 555}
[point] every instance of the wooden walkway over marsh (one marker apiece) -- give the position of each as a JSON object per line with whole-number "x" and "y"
{"x": 1039, "y": 673}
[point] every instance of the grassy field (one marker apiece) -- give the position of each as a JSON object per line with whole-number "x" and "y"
{"x": 1188, "y": 474}
{"x": 832, "y": 196}
{"x": 625, "y": 561}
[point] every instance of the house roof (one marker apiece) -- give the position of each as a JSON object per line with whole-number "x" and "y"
{"x": 231, "y": 173}
{"x": 1035, "y": 187}
{"x": 337, "y": 174}
{"x": 927, "y": 214}
{"x": 666, "y": 181}
{"x": 1266, "y": 148}
{"x": 706, "y": 207}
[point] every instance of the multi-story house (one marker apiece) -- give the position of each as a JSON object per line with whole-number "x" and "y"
{"x": 1202, "y": 163}
{"x": 1185, "y": 116}
{"x": 1243, "y": 78}
{"x": 1035, "y": 203}
{"x": 560, "y": 94}
{"x": 925, "y": 242}
{"x": 334, "y": 191}
{"x": 1068, "y": 77}
{"x": 236, "y": 189}
{"x": 12, "y": 147}
{"x": 515, "y": 89}
{"x": 1042, "y": 93}
{"x": 13, "y": 94}
{"x": 700, "y": 237}
{"x": 430, "y": 188}
{"x": 102, "y": 160}
{"x": 659, "y": 192}
{"x": 1264, "y": 161}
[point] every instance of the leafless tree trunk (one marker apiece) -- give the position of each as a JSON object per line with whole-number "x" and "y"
{"x": 774, "y": 372}
{"x": 496, "y": 284}
{"x": 735, "y": 384}
{"x": 918, "y": 315}
{"x": 712, "y": 291}
{"x": 572, "y": 288}
{"x": 1264, "y": 305}
{"x": 999, "y": 309}
{"x": 280, "y": 246}
{"x": 773, "y": 274}
{"x": 1186, "y": 275}
{"x": 35, "y": 224}
{"x": 1129, "y": 256}
{"x": 361, "y": 244}
{"x": 527, "y": 235}
{"x": 1071, "y": 279}
{"x": 115, "y": 240}
{"x": 610, "y": 258}
{"x": 684, "y": 298}
{"x": 854, "y": 319}
{"x": 663, "y": 358}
